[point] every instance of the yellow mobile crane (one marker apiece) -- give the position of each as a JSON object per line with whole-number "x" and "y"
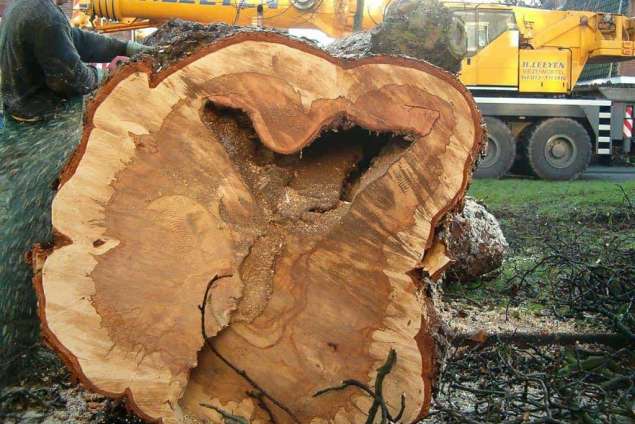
{"x": 521, "y": 65}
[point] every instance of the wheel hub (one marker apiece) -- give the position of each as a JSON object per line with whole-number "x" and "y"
{"x": 560, "y": 151}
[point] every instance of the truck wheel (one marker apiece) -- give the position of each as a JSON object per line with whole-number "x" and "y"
{"x": 559, "y": 149}
{"x": 500, "y": 150}
{"x": 521, "y": 164}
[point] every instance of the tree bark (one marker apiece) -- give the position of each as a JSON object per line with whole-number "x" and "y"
{"x": 423, "y": 29}
{"x": 306, "y": 188}
{"x": 475, "y": 241}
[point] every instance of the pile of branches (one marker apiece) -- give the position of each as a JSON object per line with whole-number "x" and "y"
{"x": 584, "y": 270}
{"x": 502, "y": 383}
{"x": 579, "y": 277}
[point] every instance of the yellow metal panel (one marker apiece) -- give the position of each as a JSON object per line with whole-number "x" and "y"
{"x": 545, "y": 71}
{"x": 468, "y": 72}
{"x": 495, "y": 65}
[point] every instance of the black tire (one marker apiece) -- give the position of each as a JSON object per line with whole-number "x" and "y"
{"x": 500, "y": 151}
{"x": 521, "y": 164}
{"x": 559, "y": 149}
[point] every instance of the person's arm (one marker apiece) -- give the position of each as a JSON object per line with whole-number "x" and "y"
{"x": 93, "y": 47}
{"x": 55, "y": 52}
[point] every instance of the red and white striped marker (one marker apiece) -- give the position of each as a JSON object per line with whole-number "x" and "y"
{"x": 628, "y": 122}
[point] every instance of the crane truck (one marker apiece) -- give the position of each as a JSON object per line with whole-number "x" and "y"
{"x": 522, "y": 66}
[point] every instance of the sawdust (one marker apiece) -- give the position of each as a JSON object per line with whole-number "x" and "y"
{"x": 43, "y": 392}
{"x": 462, "y": 317}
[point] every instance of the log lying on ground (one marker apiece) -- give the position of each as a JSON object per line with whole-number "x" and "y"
{"x": 307, "y": 189}
{"x": 423, "y": 29}
{"x": 475, "y": 242}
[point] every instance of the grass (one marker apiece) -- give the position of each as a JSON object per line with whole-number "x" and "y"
{"x": 594, "y": 209}
{"x": 535, "y": 216}
{"x": 550, "y": 198}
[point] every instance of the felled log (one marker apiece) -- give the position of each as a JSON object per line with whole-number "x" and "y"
{"x": 423, "y": 29}
{"x": 279, "y": 201}
{"x": 474, "y": 241}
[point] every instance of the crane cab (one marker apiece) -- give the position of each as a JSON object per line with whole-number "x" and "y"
{"x": 532, "y": 50}
{"x": 499, "y": 58}
{"x": 492, "y": 47}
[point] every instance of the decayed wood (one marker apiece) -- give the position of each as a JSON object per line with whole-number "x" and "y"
{"x": 222, "y": 165}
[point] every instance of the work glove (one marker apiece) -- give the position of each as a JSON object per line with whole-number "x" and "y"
{"x": 101, "y": 75}
{"x": 133, "y": 48}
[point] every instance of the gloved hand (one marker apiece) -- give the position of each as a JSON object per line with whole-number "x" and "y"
{"x": 133, "y": 48}
{"x": 101, "y": 74}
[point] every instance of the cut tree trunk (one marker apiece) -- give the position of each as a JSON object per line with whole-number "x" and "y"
{"x": 475, "y": 242}
{"x": 426, "y": 30}
{"x": 423, "y": 29}
{"x": 302, "y": 190}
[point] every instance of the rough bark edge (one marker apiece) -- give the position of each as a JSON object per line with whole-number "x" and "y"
{"x": 430, "y": 366}
{"x": 145, "y": 65}
{"x": 39, "y": 256}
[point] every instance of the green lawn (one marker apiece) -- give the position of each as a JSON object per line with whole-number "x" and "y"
{"x": 550, "y": 197}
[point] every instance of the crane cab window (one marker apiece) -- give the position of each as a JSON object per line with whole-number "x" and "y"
{"x": 484, "y": 26}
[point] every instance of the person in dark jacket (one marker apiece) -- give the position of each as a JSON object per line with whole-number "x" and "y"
{"x": 41, "y": 58}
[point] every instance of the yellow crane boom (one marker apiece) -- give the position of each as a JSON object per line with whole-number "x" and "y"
{"x": 529, "y": 49}
{"x": 334, "y": 17}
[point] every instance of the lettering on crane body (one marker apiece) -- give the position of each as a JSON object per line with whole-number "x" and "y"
{"x": 543, "y": 64}
{"x": 271, "y": 4}
{"x": 543, "y": 70}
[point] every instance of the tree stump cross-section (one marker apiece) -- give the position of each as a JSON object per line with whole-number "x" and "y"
{"x": 313, "y": 185}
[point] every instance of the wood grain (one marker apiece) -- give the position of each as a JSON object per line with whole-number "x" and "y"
{"x": 165, "y": 193}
